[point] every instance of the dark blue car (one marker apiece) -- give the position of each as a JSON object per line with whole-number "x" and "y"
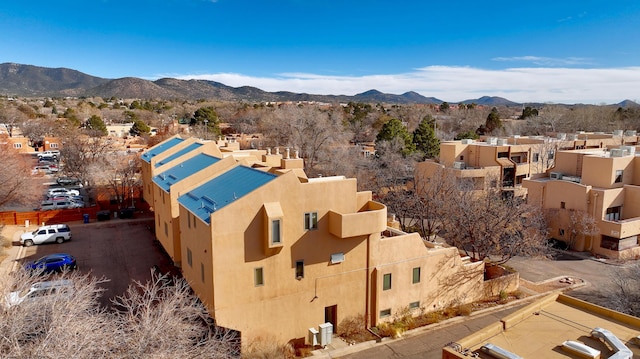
{"x": 53, "y": 263}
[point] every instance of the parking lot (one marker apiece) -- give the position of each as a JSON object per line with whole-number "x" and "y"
{"x": 120, "y": 250}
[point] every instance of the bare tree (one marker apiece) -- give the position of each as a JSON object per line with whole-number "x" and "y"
{"x": 15, "y": 177}
{"x": 625, "y": 297}
{"x": 489, "y": 225}
{"x": 157, "y": 319}
{"x": 121, "y": 173}
{"x": 578, "y": 224}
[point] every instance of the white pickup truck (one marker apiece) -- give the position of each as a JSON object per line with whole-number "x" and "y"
{"x": 51, "y": 153}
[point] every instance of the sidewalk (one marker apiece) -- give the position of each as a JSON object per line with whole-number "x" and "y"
{"x": 13, "y": 253}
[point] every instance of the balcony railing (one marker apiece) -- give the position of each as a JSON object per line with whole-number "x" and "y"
{"x": 621, "y": 229}
{"x": 370, "y": 219}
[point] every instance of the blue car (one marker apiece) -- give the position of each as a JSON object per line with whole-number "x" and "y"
{"x": 53, "y": 263}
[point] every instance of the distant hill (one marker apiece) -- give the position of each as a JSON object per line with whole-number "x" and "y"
{"x": 27, "y": 80}
{"x": 491, "y": 101}
{"x": 34, "y": 81}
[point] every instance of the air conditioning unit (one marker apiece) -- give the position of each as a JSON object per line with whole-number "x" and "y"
{"x": 467, "y": 141}
{"x": 615, "y": 152}
{"x": 573, "y": 136}
{"x": 628, "y": 150}
{"x": 555, "y": 175}
{"x": 326, "y": 333}
{"x": 492, "y": 140}
{"x": 313, "y": 336}
{"x": 501, "y": 142}
{"x": 459, "y": 165}
{"x": 562, "y": 136}
{"x": 630, "y": 133}
{"x": 619, "y": 133}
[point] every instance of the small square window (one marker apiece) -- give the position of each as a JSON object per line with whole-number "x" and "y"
{"x": 536, "y": 157}
{"x": 299, "y": 269}
{"x": 561, "y": 231}
{"x": 337, "y": 258}
{"x": 385, "y": 313}
{"x": 563, "y": 205}
{"x": 17, "y": 145}
{"x": 416, "y": 275}
{"x": 414, "y": 305}
{"x": 258, "y": 277}
{"x": 311, "y": 220}
{"x": 386, "y": 281}
{"x": 619, "y": 174}
{"x": 189, "y": 257}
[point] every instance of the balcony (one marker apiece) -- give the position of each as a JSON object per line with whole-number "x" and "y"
{"x": 372, "y": 218}
{"x": 621, "y": 229}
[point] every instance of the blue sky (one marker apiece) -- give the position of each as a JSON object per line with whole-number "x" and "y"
{"x": 562, "y": 51}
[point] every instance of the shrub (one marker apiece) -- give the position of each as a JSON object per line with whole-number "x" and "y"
{"x": 353, "y": 329}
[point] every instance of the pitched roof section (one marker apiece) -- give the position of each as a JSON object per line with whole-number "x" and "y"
{"x": 183, "y": 151}
{"x": 223, "y": 190}
{"x": 158, "y": 149}
{"x": 185, "y": 169}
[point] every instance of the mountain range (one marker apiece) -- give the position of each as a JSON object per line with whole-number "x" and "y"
{"x": 35, "y": 81}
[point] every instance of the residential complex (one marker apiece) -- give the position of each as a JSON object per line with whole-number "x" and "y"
{"x": 273, "y": 253}
{"x": 596, "y": 186}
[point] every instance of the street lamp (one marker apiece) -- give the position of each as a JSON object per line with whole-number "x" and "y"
{"x": 206, "y": 129}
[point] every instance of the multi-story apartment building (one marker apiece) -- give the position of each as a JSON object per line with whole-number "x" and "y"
{"x": 273, "y": 253}
{"x": 593, "y": 183}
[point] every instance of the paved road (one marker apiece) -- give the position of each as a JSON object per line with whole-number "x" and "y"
{"x": 428, "y": 344}
{"x": 119, "y": 250}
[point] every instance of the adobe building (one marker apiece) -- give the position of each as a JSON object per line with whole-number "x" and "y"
{"x": 273, "y": 253}
{"x": 557, "y": 326}
{"x": 598, "y": 183}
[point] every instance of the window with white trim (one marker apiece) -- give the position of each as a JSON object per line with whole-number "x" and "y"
{"x": 311, "y": 220}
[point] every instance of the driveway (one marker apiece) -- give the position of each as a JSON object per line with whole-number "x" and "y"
{"x": 119, "y": 250}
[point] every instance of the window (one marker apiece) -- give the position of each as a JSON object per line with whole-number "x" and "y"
{"x": 189, "y": 257}
{"x": 416, "y": 275}
{"x": 551, "y": 155}
{"x": 563, "y": 205}
{"x": 311, "y": 220}
{"x": 561, "y": 231}
{"x": 536, "y": 157}
{"x": 53, "y": 145}
{"x": 503, "y": 154}
{"x": 385, "y": 313}
{"x": 202, "y": 272}
{"x": 461, "y": 158}
{"x": 386, "y": 281}
{"x": 275, "y": 232}
{"x": 258, "y": 277}
{"x": 166, "y": 229}
{"x": 189, "y": 219}
{"x": 299, "y": 269}
{"x": 337, "y": 258}
{"x": 17, "y": 145}
{"x": 414, "y": 305}
{"x": 613, "y": 213}
{"x": 619, "y": 176}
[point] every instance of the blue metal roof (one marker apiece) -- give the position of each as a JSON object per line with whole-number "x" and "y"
{"x": 161, "y": 147}
{"x": 223, "y": 190}
{"x": 183, "y": 151}
{"x": 185, "y": 169}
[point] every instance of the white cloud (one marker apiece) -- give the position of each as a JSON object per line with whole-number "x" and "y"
{"x": 454, "y": 84}
{"x": 546, "y": 61}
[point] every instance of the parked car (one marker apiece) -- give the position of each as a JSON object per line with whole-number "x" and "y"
{"x": 68, "y": 181}
{"x": 51, "y": 153}
{"x": 52, "y": 233}
{"x": 41, "y": 169}
{"x": 41, "y": 290}
{"x": 57, "y": 262}
{"x": 62, "y": 191}
{"x": 47, "y": 159}
{"x": 56, "y": 204}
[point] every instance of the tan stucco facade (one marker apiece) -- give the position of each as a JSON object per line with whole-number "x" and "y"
{"x": 349, "y": 264}
{"x": 601, "y": 184}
